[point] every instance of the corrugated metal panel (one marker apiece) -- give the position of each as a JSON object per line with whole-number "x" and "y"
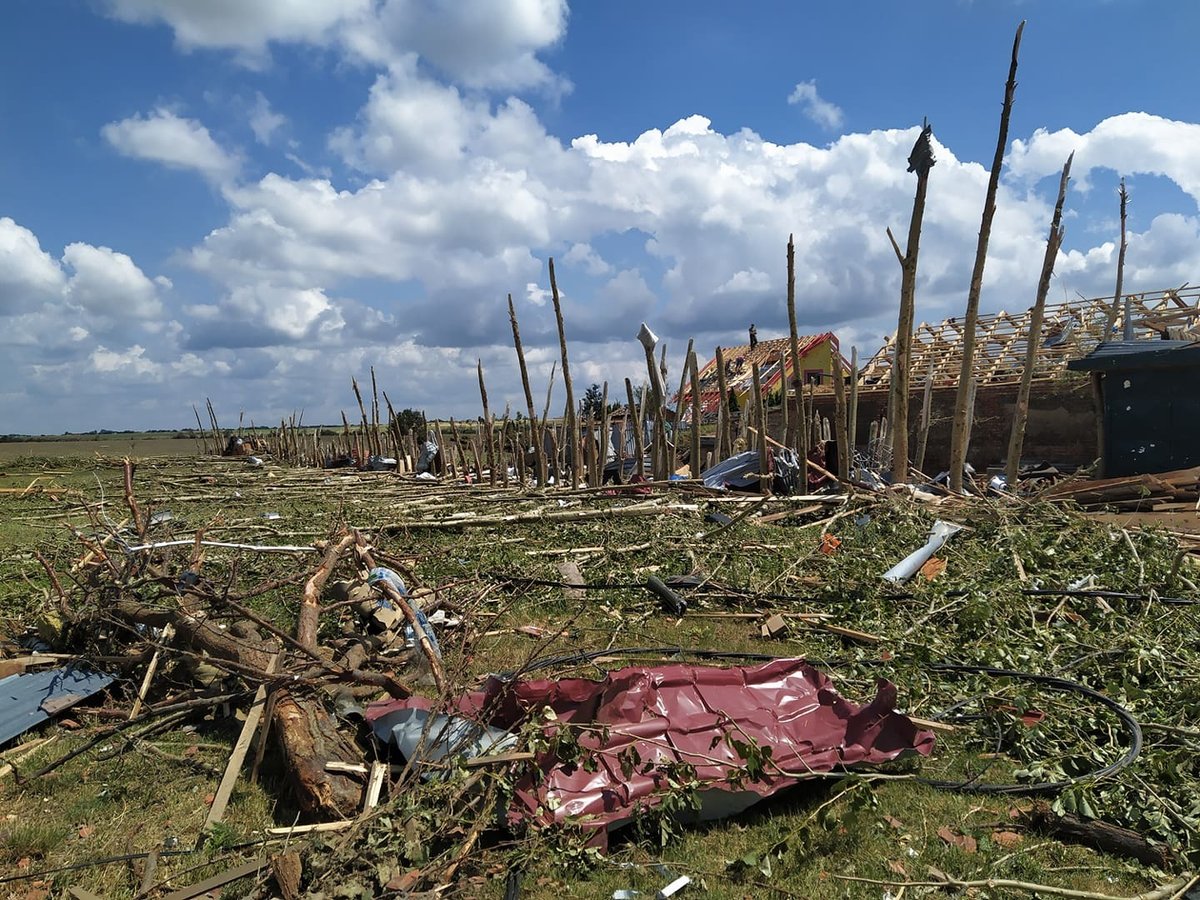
{"x": 1133, "y": 354}
{"x": 31, "y": 698}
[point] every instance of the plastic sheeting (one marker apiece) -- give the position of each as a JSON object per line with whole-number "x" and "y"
{"x": 673, "y": 714}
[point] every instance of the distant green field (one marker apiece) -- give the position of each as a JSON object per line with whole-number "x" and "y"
{"x": 111, "y": 445}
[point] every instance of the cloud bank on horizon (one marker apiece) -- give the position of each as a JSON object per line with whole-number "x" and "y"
{"x": 390, "y": 234}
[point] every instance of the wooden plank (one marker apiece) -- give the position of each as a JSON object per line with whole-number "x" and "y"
{"x": 168, "y": 632}
{"x": 569, "y": 570}
{"x": 379, "y": 771}
{"x": 216, "y": 881}
{"x": 289, "y": 830}
{"x": 932, "y": 725}
{"x": 851, "y": 633}
{"x": 238, "y": 756}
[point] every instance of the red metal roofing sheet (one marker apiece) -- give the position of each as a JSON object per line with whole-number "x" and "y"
{"x": 686, "y": 714}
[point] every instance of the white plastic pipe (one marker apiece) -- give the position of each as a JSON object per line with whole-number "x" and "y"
{"x": 911, "y": 564}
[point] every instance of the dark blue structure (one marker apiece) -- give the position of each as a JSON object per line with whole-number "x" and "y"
{"x": 1148, "y": 403}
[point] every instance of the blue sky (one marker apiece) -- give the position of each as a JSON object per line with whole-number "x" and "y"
{"x": 253, "y": 200}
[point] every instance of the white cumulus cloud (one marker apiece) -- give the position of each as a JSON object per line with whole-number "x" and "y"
{"x": 176, "y": 142}
{"x": 108, "y": 283}
{"x": 815, "y": 107}
{"x": 244, "y": 25}
{"x": 264, "y": 121}
{"x": 1132, "y": 144}
{"x": 28, "y": 274}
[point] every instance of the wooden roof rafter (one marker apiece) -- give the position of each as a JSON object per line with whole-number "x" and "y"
{"x": 1070, "y": 329}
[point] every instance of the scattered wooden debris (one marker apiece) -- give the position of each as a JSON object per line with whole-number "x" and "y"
{"x": 1133, "y": 492}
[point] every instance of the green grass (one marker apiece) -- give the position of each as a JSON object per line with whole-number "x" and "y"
{"x": 809, "y": 839}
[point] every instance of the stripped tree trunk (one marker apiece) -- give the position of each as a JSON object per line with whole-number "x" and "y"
{"x": 764, "y": 464}
{"x": 800, "y": 424}
{"x": 634, "y": 417}
{"x": 572, "y": 421}
{"x": 921, "y": 160}
{"x": 852, "y": 423}
{"x": 839, "y": 415}
{"x": 697, "y": 463}
{"x": 725, "y": 426}
{"x": 1116, "y": 304}
{"x": 536, "y": 436}
{"x": 960, "y": 436}
{"x": 926, "y": 416}
{"x": 1021, "y": 414}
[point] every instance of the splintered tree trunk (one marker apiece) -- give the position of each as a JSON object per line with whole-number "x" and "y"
{"x": 760, "y": 417}
{"x": 572, "y": 420}
{"x": 697, "y": 463}
{"x": 800, "y": 424}
{"x": 536, "y": 435}
{"x": 1016, "y": 440}
{"x": 307, "y": 733}
{"x": 309, "y": 738}
{"x": 852, "y": 423}
{"x": 724, "y": 425}
{"x": 1116, "y": 304}
{"x": 904, "y": 328}
{"x": 605, "y": 434}
{"x": 487, "y": 425}
{"x": 633, "y": 418}
{"x": 960, "y": 437}
{"x": 839, "y": 415}
{"x": 926, "y": 416}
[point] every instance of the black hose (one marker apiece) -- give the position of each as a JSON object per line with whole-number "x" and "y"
{"x": 1111, "y": 595}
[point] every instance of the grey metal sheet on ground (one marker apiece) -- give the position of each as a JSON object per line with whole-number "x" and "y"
{"x": 30, "y": 698}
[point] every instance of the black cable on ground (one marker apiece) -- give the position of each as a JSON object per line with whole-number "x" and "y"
{"x": 1111, "y": 595}
{"x": 1130, "y": 724}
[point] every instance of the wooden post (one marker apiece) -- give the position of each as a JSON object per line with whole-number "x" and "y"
{"x": 926, "y": 414}
{"x": 539, "y": 457}
{"x": 697, "y": 413}
{"x": 764, "y": 464}
{"x": 572, "y": 412}
{"x": 724, "y": 435}
{"x": 785, "y": 424}
{"x": 852, "y": 416}
{"x": 1033, "y": 339}
{"x": 448, "y": 465}
{"x": 648, "y": 342}
{"x": 463, "y": 468}
{"x": 605, "y": 434}
{"x": 551, "y": 459}
{"x": 634, "y": 417}
{"x": 375, "y": 414}
{"x": 839, "y": 416}
{"x": 487, "y": 424}
{"x": 1116, "y": 305}
{"x": 683, "y": 383}
{"x": 366, "y": 425}
{"x": 959, "y": 440}
{"x": 971, "y": 408}
{"x": 800, "y": 423}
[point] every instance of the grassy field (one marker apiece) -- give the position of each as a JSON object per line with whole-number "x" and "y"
{"x": 83, "y": 448}
{"x": 858, "y": 837}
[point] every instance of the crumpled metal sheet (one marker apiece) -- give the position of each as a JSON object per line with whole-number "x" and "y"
{"x": 680, "y": 713}
{"x": 31, "y": 698}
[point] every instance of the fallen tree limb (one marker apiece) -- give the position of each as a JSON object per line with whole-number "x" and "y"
{"x": 561, "y": 515}
{"x": 1099, "y": 835}
{"x": 1165, "y": 892}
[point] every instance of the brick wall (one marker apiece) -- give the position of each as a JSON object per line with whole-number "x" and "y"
{"x": 1061, "y": 428}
